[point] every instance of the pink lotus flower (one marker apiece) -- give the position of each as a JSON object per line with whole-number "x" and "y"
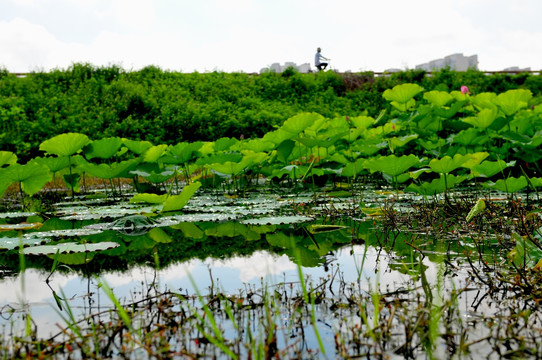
{"x": 464, "y": 90}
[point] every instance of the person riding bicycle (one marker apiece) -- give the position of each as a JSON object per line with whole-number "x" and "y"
{"x": 320, "y": 65}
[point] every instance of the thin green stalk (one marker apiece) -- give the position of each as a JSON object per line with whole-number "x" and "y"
{"x": 120, "y": 309}
{"x": 306, "y": 298}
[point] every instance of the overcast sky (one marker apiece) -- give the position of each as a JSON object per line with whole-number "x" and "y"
{"x": 247, "y": 35}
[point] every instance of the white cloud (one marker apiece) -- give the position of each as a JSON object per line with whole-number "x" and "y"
{"x": 250, "y": 34}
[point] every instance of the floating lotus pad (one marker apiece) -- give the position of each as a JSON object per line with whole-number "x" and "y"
{"x": 13, "y": 243}
{"x": 69, "y": 248}
{"x": 278, "y": 220}
{"x": 22, "y": 226}
{"x": 62, "y": 233}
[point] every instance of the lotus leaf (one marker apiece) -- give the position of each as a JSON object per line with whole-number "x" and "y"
{"x": 159, "y": 235}
{"x": 7, "y": 158}
{"x": 489, "y": 168}
{"x": 137, "y": 146}
{"x": 403, "y": 93}
{"x": 228, "y": 229}
{"x": 182, "y": 153}
{"x": 190, "y": 230}
{"x": 392, "y": 165}
{"x": 448, "y": 164}
{"x": 438, "y": 98}
{"x": 10, "y": 243}
{"x": 300, "y": 122}
{"x": 149, "y": 198}
{"x": 154, "y": 153}
{"x": 177, "y": 202}
{"x": 110, "y": 171}
{"x": 258, "y": 145}
{"x": 470, "y": 137}
{"x": 54, "y": 163}
{"x": 525, "y": 253}
{"x": 362, "y": 122}
{"x": 31, "y": 176}
{"x": 436, "y": 186}
{"x": 71, "y": 247}
{"x": 397, "y": 142}
{"x": 104, "y": 148}
{"x": 476, "y": 209}
{"x": 508, "y": 185}
{"x": 284, "y": 150}
{"x": 225, "y": 143}
{"x": 485, "y": 101}
{"x": 278, "y": 220}
{"x": 65, "y": 144}
{"x": 483, "y": 120}
{"x": 512, "y": 101}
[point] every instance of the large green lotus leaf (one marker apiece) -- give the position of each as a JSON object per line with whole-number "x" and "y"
{"x": 137, "y": 146}
{"x": 474, "y": 159}
{"x": 397, "y": 142}
{"x": 489, "y": 168}
{"x": 280, "y": 239}
{"x": 436, "y": 186}
{"x": 392, "y": 165}
{"x": 177, "y": 202}
{"x": 7, "y": 158}
{"x": 190, "y": 230}
{"x": 104, "y": 148}
{"x": 4, "y": 182}
{"x": 152, "y": 172}
{"x": 354, "y": 168}
{"x": 182, "y": 153}
{"x": 485, "y": 100}
{"x": 220, "y": 158}
{"x": 438, "y": 98}
{"x": 258, "y": 145}
{"x": 284, "y": 150}
{"x": 469, "y": 137}
{"x": 109, "y": 171}
{"x": 537, "y": 182}
{"x": 278, "y": 136}
{"x": 449, "y": 112}
{"x": 249, "y": 159}
{"x": 508, "y": 185}
{"x": 448, "y": 164}
{"x": 65, "y": 144}
{"x": 32, "y": 176}
{"x": 149, "y": 198}
{"x": 362, "y": 122}
{"x": 227, "y": 229}
{"x": 72, "y": 180}
{"x": 513, "y": 100}
{"x": 225, "y": 143}
{"x": 300, "y": 122}
{"x": 483, "y": 120}
{"x": 305, "y": 256}
{"x": 402, "y": 93}
{"x": 54, "y": 163}
{"x": 154, "y": 153}
{"x": 159, "y": 235}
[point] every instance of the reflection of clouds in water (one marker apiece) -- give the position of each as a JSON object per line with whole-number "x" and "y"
{"x": 35, "y": 288}
{"x": 259, "y": 265}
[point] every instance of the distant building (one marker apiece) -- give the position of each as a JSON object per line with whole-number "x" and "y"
{"x": 456, "y": 62}
{"x": 517, "y": 69}
{"x": 278, "y": 68}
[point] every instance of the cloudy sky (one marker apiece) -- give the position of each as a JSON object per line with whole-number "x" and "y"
{"x": 247, "y": 35}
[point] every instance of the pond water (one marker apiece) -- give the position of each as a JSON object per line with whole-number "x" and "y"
{"x": 237, "y": 246}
